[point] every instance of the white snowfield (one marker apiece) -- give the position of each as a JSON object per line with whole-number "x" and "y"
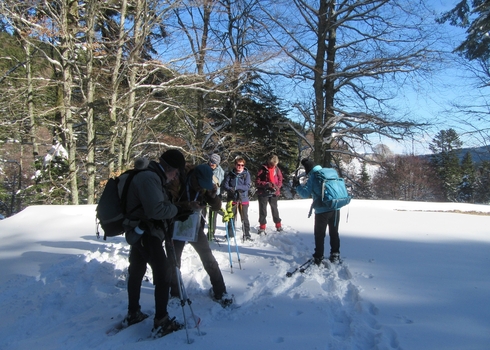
{"x": 415, "y": 276}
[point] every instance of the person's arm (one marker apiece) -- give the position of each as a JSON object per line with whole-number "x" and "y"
{"x": 280, "y": 178}
{"x": 260, "y": 180}
{"x": 305, "y": 191}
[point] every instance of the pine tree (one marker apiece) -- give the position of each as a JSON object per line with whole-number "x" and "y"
{"x": 472, "y": 15}
{"x": 468, "y": 174}
{"x": 482, "y": 186}
{"x": 364, "y": 185}
{"x": 446, "y": 162}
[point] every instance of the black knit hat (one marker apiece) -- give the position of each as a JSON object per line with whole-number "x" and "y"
{"x": 174, "y": 158}
{"x": 308, "y": 165}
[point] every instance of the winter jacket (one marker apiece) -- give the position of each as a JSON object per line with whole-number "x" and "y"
{"x": 313, "y": 188}
{"x": 263, "y": 184}
{"x": 182, "y": 193}
{"x": 237, "y": 184}
{"x": 147, "y": 189}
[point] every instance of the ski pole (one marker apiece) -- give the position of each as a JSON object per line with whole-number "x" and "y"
{"x": 229, "y": 248}
{"x": 301, "y": 267}
{"x": 170, "y": 244}
{"x": 184, "y": 298}
{"x": 182, "y": 293}
{"x": 236, "y": 245}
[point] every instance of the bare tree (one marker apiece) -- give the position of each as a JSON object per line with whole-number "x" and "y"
{"x": 353, "y": 56}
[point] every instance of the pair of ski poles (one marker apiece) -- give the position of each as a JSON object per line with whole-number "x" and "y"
{"x": 229, "y": 245}
{"x": 184, "y": 298}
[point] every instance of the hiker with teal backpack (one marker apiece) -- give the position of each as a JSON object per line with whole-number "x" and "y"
{"x": 327, "y": 210}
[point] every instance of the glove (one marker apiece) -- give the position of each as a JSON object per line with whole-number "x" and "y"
{"x": 183, "y": 214}
{"x": 196, "y": 206}
{"x": 231, "y": 193}
{"x": 228, "y": 214}
{"x": 295, "y": 182}
{"x": 214, "y": 191}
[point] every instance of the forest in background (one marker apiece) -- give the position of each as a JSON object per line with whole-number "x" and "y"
{"x": 97, "y": 83}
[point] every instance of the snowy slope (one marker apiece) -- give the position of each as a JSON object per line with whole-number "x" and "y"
{"x": 415, "y": 276}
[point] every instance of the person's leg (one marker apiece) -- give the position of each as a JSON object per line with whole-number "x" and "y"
{"x": 245, "y": 220}
{"x": 209, "y": 263}
{"x": 321, "y": 221}
{"x": 262, "y": 210}
{"x": 273, "y": 201}
{"x": 178, "y": 247}
{"x": 136, "y": 272}
{"x": 161, "y": 279}
{"x": 333, "y": 231}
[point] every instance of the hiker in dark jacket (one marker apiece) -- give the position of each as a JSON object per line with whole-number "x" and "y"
{"x": 237, "y": 184}
{"x": 147, "y": 192}
{"x": 195, "y": 192}
{"x": 323, "y": 217}
{"x": 269, "y": 182}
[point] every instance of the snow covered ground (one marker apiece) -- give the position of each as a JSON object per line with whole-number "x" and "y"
{"x": 415, "y": 276}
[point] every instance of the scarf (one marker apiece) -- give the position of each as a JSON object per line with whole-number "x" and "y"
{"x": 272, "y": 179}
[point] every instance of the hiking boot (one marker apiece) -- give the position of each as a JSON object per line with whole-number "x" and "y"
{"x": 247, "y": 238}
{"x": 317, "y": 261}
{"x": 222, "y": 298}
{"x": 133, "y": 318}
{"x": 334, "y": 258}
{"x": 261, "y": 229}
{"x": 165, "y": 325}
{"x": 279, "y": 229}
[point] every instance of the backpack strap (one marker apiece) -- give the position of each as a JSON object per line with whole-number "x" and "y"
{"x": 131, "y": 173}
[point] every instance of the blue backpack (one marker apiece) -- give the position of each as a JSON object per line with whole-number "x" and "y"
{"x": 334, "y": 193}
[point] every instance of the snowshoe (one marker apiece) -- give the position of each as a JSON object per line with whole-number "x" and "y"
{"x": 165, "y": 326}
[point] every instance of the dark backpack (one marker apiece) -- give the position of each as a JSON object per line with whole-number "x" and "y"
{"x": 111, "y": 209}
{"x": 334, "y": 192}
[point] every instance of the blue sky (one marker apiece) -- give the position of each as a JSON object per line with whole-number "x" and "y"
{"x": 452, "y": 83}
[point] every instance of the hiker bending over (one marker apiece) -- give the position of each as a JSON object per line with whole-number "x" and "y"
{"x": 323, "y": 216}
{"x": 195, "y": 191}
{"x": 153, "y": 210}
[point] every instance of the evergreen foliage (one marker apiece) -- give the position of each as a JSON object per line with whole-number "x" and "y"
{"x": 482, "y": 186}
{"x": 474, "y": 16}
{"x": 468, "y": 179}
{"x": 363, "y": 188}
{"x": 445, "y": 161}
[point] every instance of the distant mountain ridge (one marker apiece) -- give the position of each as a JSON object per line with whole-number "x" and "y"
{"x": 478, "y": 154}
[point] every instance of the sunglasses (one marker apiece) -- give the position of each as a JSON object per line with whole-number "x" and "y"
{"x": 240, "y": 165}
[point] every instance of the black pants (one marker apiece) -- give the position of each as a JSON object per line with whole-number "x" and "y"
{"x": 272, "y": 201}
{"x": 148, "y": 250}
{"x": 330, "y": 219}
{"x": 241, "y": 209}
{"x": 201, "y": 246}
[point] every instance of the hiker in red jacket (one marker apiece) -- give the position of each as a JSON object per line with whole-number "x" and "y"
{"x": 269, "y": 183}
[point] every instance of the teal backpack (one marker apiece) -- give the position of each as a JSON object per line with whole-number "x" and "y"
{"x": 334, "y": 193}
